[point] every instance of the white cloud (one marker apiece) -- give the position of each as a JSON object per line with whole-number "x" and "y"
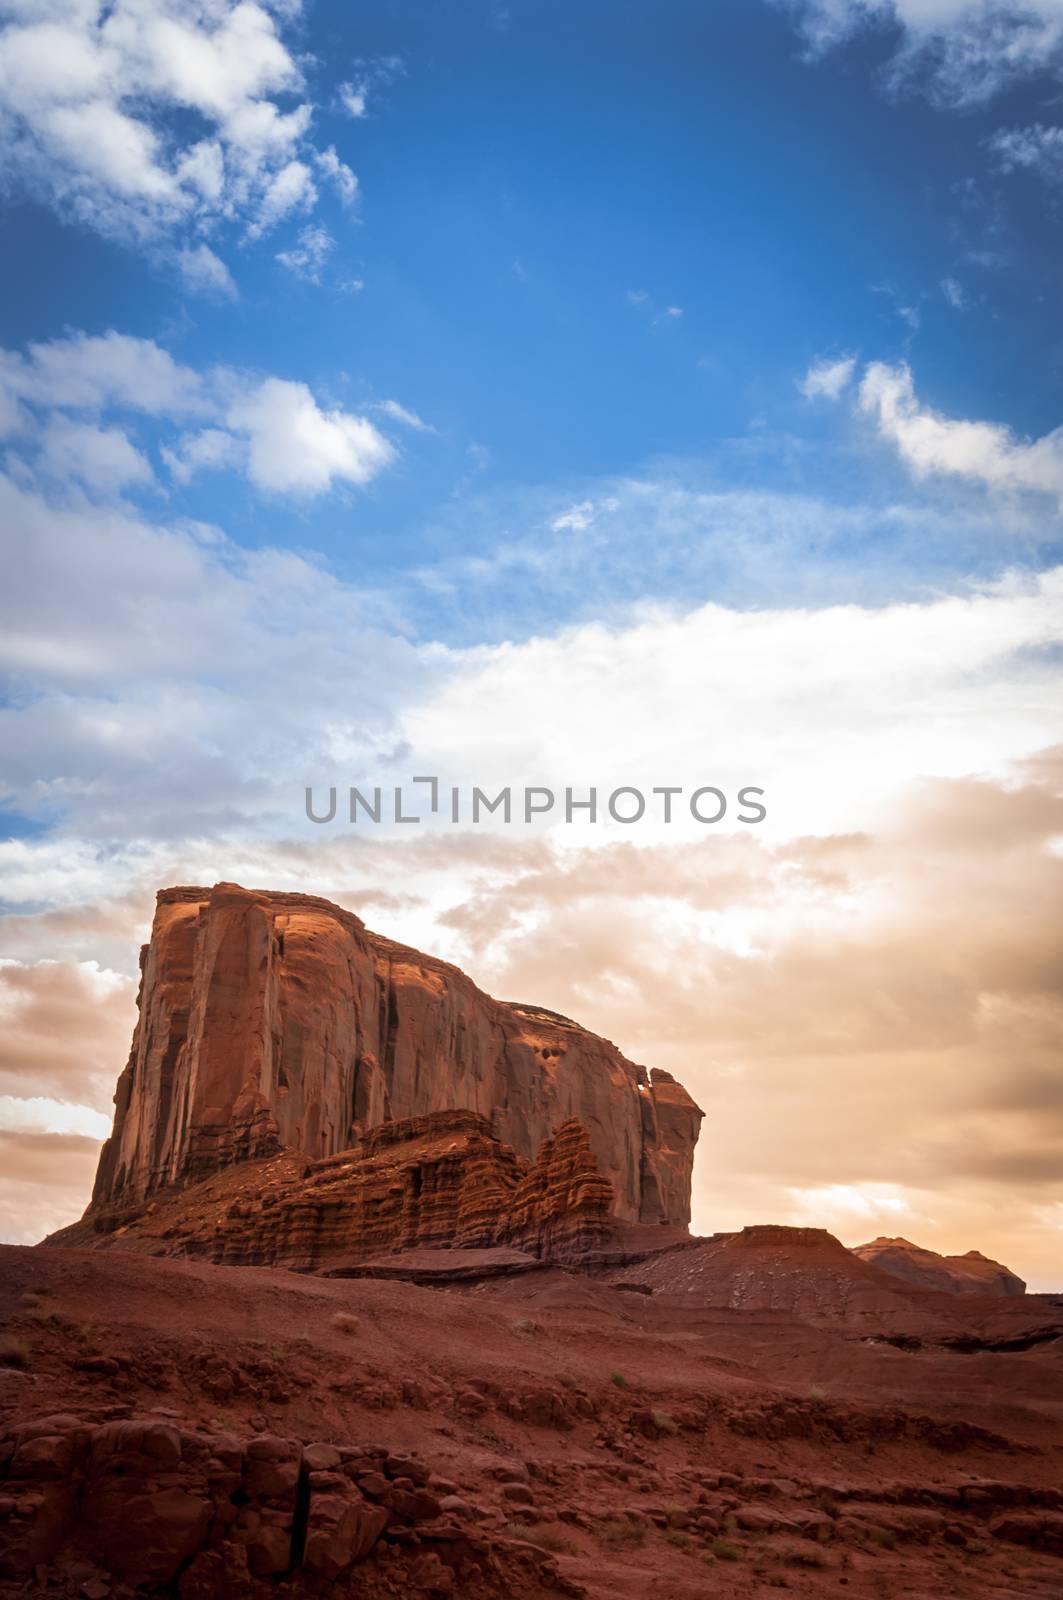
{"x": 1037, "y": 149}
{"x": 290, "y": 189}
{"x": 296, "y": 448}
{"x": 408, "y": 418}
{"x": 576, "y": 519}
{"x": 307, "y": 259}
{"x": 731, "y": 697}
{"x": 636, "y": 297}
{"x": 205, "y": 680}
{"x": 146, "y": 116}
{"x": 673, "y": 311}
{"x": 353, "y": 97}
{"x": 103, "y": 459}
{"x": 841, "y": 1207}
{"x": 39, "y": 1114}
{"x": 982, "y": 452}
{"x": 962, "y": 52}
{"x": 205, "y": 273}
{"x": 84, "y": 372}
{"x": 338, "y": 174}
{"x": 271, "y": 428}
{"x": 207, "y": 451}
{"x": 826, "y": 378}
{"x": 955, "y": 294}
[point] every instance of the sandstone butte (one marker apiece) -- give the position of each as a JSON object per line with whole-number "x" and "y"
{"x": 385, "y": 1101}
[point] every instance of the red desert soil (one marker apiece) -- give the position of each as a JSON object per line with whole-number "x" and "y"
{"x": 534, "y": 1435}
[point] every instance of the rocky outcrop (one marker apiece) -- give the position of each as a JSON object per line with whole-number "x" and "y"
{"x": 436, "y": 1183}
{"x": 175, "y": 1509}
{"x": 277, "y": 1021}
{"x": 972, "y": 1273}
{"x": 561, "y": 1207}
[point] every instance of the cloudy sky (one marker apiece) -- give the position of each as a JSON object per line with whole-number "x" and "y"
{"x": 563, "y": 395}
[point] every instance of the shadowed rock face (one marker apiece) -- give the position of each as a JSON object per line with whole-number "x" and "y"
{"x": 277, "y": 1021}
{"x": 972, "y": 1273}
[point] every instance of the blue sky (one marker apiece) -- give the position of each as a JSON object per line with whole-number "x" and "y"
{"x": 523, "y": 176}
{"x": 573, "y": 393}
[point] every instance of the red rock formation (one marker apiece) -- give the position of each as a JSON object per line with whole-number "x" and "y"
{"x": 561, "y": 1206}
{"x": 439, "y": 1182}
{"x": 273, "y": 1021}
{"x": 972, "y": 1273}
{"x": 805, "y": 1272}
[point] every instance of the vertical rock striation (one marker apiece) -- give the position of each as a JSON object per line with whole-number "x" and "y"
{"x": 274, "y": 1021}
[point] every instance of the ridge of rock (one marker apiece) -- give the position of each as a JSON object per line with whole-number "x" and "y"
{"x": 970, "y": 1273}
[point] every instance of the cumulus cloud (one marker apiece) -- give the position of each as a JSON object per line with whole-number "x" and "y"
{"x": 930, "y": 442}
{"x": 147, "y": 117}
{"x": 102, "y": 459}
{"x": 294, "y": 447}
{"x": 826, "y": 379}
{"x": 962, "y": 52}
{"x": 53, "y": 400}
{"x": 85, "y": 372}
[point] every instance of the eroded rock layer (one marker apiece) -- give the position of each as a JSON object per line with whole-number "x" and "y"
{"x": 439, "y": 1182}
{"x": 277, "y": 1021}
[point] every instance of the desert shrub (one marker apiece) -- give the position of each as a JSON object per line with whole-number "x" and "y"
{"x": 664, "y": 1422}
{"x": 345, "y": 1322}
{"x": 724, "y": 1550}
{"x": 679, "y": 1539}
{"x": 618, "y": 1379}
{"x": 622, "y": 1533}
{"x": 816, "y": 1393}
{"x": 548, "y": 1538}
{"x": 799, "y": 1556}
{"x": 14, "y": 1352}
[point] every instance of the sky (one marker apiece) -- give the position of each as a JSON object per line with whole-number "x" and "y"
{"x": 569, "y": 396}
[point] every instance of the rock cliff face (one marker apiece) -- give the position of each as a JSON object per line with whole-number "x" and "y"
{"x": 278, "y": 1021}
{"x": 972, "y": 1273}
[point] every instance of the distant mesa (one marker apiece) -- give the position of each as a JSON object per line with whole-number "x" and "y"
{"x": 972, "y": 1273}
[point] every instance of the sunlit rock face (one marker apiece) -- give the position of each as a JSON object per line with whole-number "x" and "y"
{"x": 278, "y": 1021}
